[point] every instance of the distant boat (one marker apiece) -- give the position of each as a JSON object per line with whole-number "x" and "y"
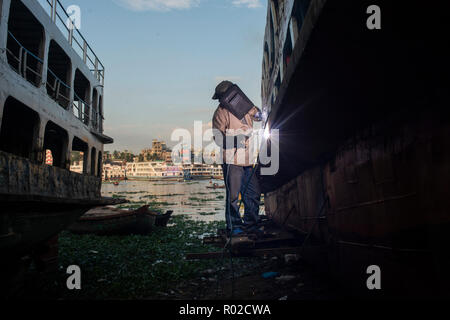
{"x": 187, "y": 175}
{"x": 112, "y": 221}
{"x": 116, "y": 183}
{"x": 153, "y": 171}
{"x": 216, "y": 186}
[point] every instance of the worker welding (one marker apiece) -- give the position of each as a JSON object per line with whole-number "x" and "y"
{"x": 233, "y": 124}
{"x": 227, "y": 150}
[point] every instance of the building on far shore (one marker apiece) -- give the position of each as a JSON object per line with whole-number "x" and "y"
{"x": 158, "y": 152}
{"x": 114, "y": 170}
{"x": 158, "y": 148}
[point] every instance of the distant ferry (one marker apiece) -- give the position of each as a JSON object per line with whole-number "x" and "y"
{"x": 153, "y": 171}
{"x": 202, "y": 172}
{"x": 217, "y": 173}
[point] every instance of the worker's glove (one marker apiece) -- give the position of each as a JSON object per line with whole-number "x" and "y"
{"x": 258, "y": 117}
{"x": 256, "y": 114}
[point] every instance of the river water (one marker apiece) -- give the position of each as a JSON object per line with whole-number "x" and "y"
{"x": 192, "y": 198}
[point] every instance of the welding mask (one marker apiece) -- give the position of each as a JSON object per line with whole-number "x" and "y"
{"x": 235, "y": 101}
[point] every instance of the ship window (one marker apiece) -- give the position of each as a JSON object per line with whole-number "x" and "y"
{"x": 77, "y": 162}
{"x": 275, "y": 12}
{"x": 278, "y": 82}
{"x": 93, "y": 160}
{"x": 19, "y": 130}
{"x": 56, "y": 140}
{"x": 25, "y": 45}
{"x": 100, "y": 112}
{"x": 58, "y": 75}
{"x": 81, "y": 106}
{"x": 299, "y": 12}
{"x": 287, "y": 51}
{"x": 95, "y": 116}
{"x": 99, "y": 164}
{"x": 266, "y": 58}
{"x": 48, "y": 157}
{"x": 272, "y": 44}
{"x": 79, "y": 155}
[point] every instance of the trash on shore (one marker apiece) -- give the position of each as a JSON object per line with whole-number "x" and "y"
{"x": 285, "y": 278}
{"x": 270, "y": 275}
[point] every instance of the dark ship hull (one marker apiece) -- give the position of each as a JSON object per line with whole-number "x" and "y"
{"x": 364, "y": 142}
{"x": 38, "y": 202}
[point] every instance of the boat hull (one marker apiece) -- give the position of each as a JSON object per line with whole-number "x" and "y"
{"x": 364, "y": 159}
{"x": 115, "y": 222}
{"x": 376, "y": 203}
{"x": 39, "y": 201}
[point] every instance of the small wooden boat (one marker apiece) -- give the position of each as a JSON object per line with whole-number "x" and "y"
{"x": 216, "y": 186}
{"x": 116, "y": 183}
{"x": 112, "y": 221}
{"x": 163, "y": 219}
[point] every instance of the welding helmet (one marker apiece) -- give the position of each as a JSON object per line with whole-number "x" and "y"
{"x": 221, "y": 89}
{"x": 235, "y": 101}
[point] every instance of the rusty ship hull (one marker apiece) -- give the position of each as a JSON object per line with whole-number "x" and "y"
{"x": 364, "y": 140}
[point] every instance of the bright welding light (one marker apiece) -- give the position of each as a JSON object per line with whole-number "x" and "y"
{"x": 265, "y": 115}
{"x": 267, "y": 133}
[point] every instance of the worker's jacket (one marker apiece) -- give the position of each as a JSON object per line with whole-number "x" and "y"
{"x": 229, "y": 126}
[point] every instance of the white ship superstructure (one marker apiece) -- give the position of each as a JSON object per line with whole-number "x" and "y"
{"x": 152, "y": 171}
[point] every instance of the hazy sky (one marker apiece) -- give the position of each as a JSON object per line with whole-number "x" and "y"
{"x": 163, "y": 59}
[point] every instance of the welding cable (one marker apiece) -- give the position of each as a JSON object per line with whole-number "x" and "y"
{"x": 228, "y": 243}
{"x": 231, "y": 229}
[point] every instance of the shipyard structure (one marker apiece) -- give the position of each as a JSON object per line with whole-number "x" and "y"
{"x": 51, "y": 104}
{"x": 364, "y": 139}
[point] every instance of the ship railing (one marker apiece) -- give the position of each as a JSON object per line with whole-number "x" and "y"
{"x": 95, "y": 116}
{"x": 81, "y": 109}
{"x": 63, "y": 21}
{"x": 58, "y": 89}
{"x": 20, "y": 59}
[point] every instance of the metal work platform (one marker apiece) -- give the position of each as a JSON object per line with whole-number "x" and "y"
{"x": 271, "y": 241}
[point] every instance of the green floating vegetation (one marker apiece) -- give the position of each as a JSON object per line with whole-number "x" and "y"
{"x": 200, "y": 199}
{"x": 138, "y": 204}
{"x": 131, "y": 267}
{"x": 149, "y": 196}
{"x": 131, "y": 192}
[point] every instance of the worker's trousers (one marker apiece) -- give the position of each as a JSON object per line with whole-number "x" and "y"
{"x": 239, "y": 180}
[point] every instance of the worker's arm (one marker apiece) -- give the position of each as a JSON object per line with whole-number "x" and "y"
{"x": 220, "y": 123}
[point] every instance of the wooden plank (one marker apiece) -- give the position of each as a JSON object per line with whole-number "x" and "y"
{"x": 247, "y": 253}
